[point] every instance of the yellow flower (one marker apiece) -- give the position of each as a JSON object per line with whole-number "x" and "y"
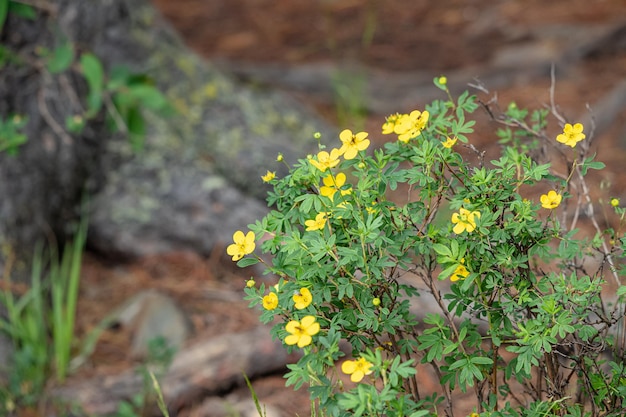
{"x": 270, "y": 301}
{"x": 551, "y": 200}
{"x": 280, "y": 157}
{"x": 391, "y": 122}
{"x": 376, "y": 301}
{"x": 449, "y": 142}
{"x": 268, "y": 176}
{"x": 571, "y": 134}
{"x": 411, "y": 126}
{"x": 333, "y": 184}
{"x": 353, "y": 143}
{"x": 326, "y": 160}
{"x": 250, "y": 283}
{"x": 244, "y": 245}
{"x": 302, "y": 298}
{"x": 464, "y": 220}
{"x": 460, "y": 273}
{"x": 474, "y": 415}
{"x": 317, "y": 224}
{"x": 615, "y": 202}
{"x": 443, "y": 80}
{"x": 301, "y": 331}
{"x": 356, "y": 369}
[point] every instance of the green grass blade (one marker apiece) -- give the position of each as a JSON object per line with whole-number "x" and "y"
{"x": 160, "y": 400}
{"x": 254, "y": 396}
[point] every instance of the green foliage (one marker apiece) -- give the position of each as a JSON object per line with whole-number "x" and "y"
{"x": 11, "y": 136}
{"x": 64, "y": 281}
{"x": 42, "y": 331}
{"x": 522, "y": 321}
{"x": 117, "y": 94}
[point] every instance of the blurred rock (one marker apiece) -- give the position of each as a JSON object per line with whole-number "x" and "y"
{"x": 151, "y": 315}
{"x": 207, "y": 367}
{"x": 218, "y": 407}
{"x": 182, "y": 191}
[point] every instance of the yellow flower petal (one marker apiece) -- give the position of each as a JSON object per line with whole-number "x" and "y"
{"x": 357, "y": 376}
{"x": 292, "y": 339}
{"x": 292, "y": 326}
{"x": 305, "y": 340}
{"x": 348, "y": 367}
{"x": 312, "y": 327}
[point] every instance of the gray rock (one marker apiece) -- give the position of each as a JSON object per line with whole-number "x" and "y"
{"x": 197, "y": 178}
{"x": 218, "y": 407}
{"x": 189, "y": 209}
{"x": 150, "y": 315}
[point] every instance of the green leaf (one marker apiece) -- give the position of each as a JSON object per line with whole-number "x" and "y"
{"x": 458, "y": 364}
{"x": 74, "y": 124}
{"x": 22, "y": 10}
{"x": 243, "y": 262}
{"x": 447, "y": 272}
{"x": 481, "y": 360}
{"x": 136, "y": 127}
{"x": 62, "y": 57}
{"x": 442, "y": 250}
{"x": 148, "y": 96}
{"x": 588, "y": 163}
{"x": 94, "y": 74}
{"x": 4, "y": 8}
{"x": 420, "y": 413}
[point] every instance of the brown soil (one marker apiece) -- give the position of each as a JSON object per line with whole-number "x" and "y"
{"x": 392, "y": 35}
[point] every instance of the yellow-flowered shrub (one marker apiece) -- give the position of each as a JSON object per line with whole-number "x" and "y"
{"x": 520, "y": 323}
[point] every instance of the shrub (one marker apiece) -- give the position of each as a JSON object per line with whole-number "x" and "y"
{"x": 355, "y": 239}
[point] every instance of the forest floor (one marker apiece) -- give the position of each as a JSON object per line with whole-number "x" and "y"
{"x": 392, "y": 37}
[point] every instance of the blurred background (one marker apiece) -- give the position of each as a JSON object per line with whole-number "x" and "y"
{"x": 387, "y": 52}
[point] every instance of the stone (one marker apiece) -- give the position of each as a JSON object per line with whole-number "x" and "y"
{"x": 218, "y": 407}
{"x": 150, "y": 315}
{"x": 197, "y": 176}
